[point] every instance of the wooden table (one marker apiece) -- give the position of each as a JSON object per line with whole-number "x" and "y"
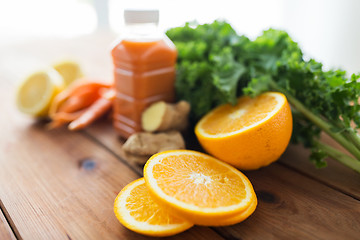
{"x": 61, "y": 184}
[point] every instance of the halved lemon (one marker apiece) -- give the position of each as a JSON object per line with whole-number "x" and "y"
{"x": 37, "y": 91}
{"x": 69, "y": 70}
{"x": 137, "y": 211}
{"x": 251, "y": 134}
{"x": 198, "y": 187}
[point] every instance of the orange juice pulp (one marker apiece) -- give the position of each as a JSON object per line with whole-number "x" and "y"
{"x": 144, "y": 73}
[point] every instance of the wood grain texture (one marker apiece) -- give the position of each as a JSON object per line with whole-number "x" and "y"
{"x": 59, "y": 184}
{"x": 335, "y": 175}
{"x": 5, "y": 230}
{"x": 106, "y": 135}
{"x": 292, "y": 206}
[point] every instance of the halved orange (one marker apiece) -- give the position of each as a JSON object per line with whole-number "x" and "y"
{"x": 136, "y": 210}
{"x": 251, "y": 134}
{"x": 198, "y": 187}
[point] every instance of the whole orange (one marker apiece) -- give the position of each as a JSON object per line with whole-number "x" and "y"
{"x": 249, "y": 135}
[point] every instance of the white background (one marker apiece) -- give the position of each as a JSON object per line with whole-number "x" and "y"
{"x": 327, "y": 30}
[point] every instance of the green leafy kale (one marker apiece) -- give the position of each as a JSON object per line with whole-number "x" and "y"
{"x": 216, "y": 65}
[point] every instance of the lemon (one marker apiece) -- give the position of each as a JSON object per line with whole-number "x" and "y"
{"x": 37, "y": 91}
{"x": 69, "y": 70}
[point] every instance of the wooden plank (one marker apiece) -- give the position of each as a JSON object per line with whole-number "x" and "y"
{"x": 292, "y": 206}
{"x": 59, "y": 184}
{"x": 103, "y": 132}
{"x": 336, "y": 175}
{"x": 287, "y": 200}
{"x": 5, "y": 231}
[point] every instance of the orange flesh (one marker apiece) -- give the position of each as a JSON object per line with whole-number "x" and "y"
{"x": 144, "y": 73}
{"x": 247, "y": 112}
{"x": 144, "y": 209}
{"x": 207, "y": 184}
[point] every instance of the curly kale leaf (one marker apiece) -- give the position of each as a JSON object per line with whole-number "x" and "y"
{"x": 207, "y": 70}
{"x": 215, "y": 66}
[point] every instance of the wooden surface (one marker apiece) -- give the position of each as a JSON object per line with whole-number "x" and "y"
{"x": 5, "y": 230}
{"x": 61, "y": 185}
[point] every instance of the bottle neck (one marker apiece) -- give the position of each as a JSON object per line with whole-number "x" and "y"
{"x": 142, "y": 31}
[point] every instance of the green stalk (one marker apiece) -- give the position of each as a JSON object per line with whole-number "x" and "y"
{"x": 326, "y": 127}
{"x": 353, "y": 137}
{"x": 339, "y": 156}
{"x": 348, "y": 133}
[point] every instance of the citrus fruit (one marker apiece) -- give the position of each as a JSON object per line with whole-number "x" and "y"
{"x": 69, "y": 70}
{"x": 197, "y": 187}
{"x": 136, "y": 210}
{"x": 239, "y": 217}
{"x": 37, "y": 91}
{"x": 249, "y": 135}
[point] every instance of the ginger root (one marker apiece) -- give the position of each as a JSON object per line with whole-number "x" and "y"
{"x": 145, "y": 143}
{"x": 162, "y": 116}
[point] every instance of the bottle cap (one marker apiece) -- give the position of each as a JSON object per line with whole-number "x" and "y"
{"x": 134, "y": 16}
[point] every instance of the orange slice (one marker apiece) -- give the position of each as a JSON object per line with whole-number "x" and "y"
{"x": 251, "y": 134}
{"x": 197, "y": 187}
{"x": 239, "y": 217}
{"x": 136, "y": 210}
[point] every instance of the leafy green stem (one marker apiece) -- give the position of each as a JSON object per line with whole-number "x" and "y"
{"x": 326, "y": 127}
{"x": 353, "y": 137}
{"x": 339, "y": 156}
{"x": 348, "y": 133}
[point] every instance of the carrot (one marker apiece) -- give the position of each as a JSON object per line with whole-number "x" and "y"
{"x": 100, "y": 106}
{"x": 109, "y": 94}
{"x": 80, "y": 87}
{"x": 80, "y": 104}
{"x": 61, "y": 118}
{"x": 68, "y": 117}
{"x": 55, "y": 124}
{"x": 77, "y": 102}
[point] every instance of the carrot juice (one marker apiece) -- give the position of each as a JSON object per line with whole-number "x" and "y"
{"x": 144, "y": 71}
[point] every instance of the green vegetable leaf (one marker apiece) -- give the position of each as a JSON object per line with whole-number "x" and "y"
{"x": 226, "y": 74}
{"x": 318, "y": 158}
{"x": 216, "y": 65}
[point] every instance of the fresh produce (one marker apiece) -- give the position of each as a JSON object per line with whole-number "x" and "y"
{"x": 249, "y": 135}
{"x": 239, "y": 217}
{"x": 80, "y": 104}
{"x": 180, "y": 188}
{"x": 69, "y": 70}
{"x": 37, "y": 91}
{"x": 216, "y": 65}
{"x": 101, "y": 106}
{"x": 147, "y": 144}
{"x": 161, "y": 122}
{"x": 136, "y": 210}
{"x": 162, "y": 116}
{"x": 199, "y": 188}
